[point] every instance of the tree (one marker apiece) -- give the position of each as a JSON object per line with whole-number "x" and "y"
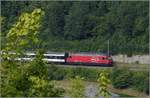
{"x": 103, "y": 82}
{"x": 75, "y": 22}
{"x": 19, "y": 37}
{"x": 68, "y": 25}
{"x": 53, "y": 22}
{"x": 37, "y": 77}
{"x": 22, "y": 79}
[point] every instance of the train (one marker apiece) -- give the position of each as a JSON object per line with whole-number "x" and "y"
{"x": 83, "y": 58}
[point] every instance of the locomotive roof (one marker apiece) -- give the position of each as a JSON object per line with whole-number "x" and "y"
{"x": 90, "y": 54}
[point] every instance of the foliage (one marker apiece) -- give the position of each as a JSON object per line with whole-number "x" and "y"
{"x": 11, "y": 81}
{"x": 103, "y": 82}
{"x": 121, "y": 78}
{"x": 124, "y": 78}
{"x": 71, "y": 26}
{"x": 44, "y": 88}
{"x": 141, "y": 81}
{"x": 22, "y": 78}
{"x": 77, "y": 88}
{"x": 37, "y": 76}
{"x": 88, "y": 74}
{"x": 17, "y": 39}
{"x": 60, "y": 73}
{"x": 24, "y": 31}
{"x": 87, "y": 25}
{"x": 37, "y": 67}
{"x": 55, "y": 73}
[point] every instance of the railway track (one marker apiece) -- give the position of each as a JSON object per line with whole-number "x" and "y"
{"x": 133, "y": 68}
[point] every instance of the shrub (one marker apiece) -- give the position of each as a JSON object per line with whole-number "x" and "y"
{"x": 77, "y": 87}
{"x": 121, "y": 78}
{"x": 88, "y": 74}
{"x": 103, "y": 81}
{"x": 44, "y": 88}
{"x": 141, "y": 81}
{"x": 59, "y": 73}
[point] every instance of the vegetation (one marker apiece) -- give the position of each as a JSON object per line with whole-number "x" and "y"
{"x": 37, "y": 74}
{"x": 70, "y": 26}
{"x": 121, "y": 78}
{"x": 17, "y": 38}
{"x": 21, "y": 78}
{"x": 77, "y": 88}
{"x": 60, "y": 73}
{"x": 103, "y": 81}
{"x": 86, "y": 26}
{"x": 141, "y": 81}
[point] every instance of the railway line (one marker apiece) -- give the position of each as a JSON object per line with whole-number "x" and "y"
{"x": 132, "y": 68}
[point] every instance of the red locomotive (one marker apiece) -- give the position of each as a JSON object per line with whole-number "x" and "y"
{"x": 89, "y": 59}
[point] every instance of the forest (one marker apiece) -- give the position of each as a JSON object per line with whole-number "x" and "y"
{"x": 79, "y": 26}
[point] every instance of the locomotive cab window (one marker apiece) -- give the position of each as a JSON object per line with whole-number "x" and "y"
{"x": 109, "y": 58}
{"x": 103, "y": 58}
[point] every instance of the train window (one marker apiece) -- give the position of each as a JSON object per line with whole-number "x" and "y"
{"x": 109, "y": 58}
{"x": 47, "y": 57}
{"x": 54, "y": 57}
{"x": 62, "y": 57}
{"x": 30, "y": 56}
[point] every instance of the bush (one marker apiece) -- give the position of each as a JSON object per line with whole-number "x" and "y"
{"x": 103, "y": 82}
{"x": 57, "y": 73}
{"x": 60, "y": 73}
{"x": 141, "y": 81}
{"x": 121, "y": 78}
{"x": 88, "y": 74}
{"x": 77, "y": 88}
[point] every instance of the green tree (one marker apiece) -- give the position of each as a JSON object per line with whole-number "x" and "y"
{"x": 67, "y": 25}
{"x": 75, "y": 21}
{"x": 103, "y": 82}
{"x": 19, "y": 79}
{"x": 19, "y": 36}
{"x": 53, "y": 22}
{"x": 37, "y": 75}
